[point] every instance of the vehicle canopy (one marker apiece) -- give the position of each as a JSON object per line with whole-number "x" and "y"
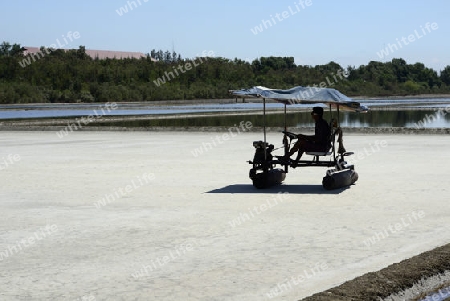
{"x": 305, "y": 95}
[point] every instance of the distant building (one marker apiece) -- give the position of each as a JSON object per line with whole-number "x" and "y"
{"x": 100, "y": 54}
{"x": 104, "y": 54}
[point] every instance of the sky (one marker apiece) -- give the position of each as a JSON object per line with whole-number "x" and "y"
{"x": 314, "y": 32}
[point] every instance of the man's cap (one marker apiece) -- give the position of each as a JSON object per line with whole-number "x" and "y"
{"x": 317, "y": 111}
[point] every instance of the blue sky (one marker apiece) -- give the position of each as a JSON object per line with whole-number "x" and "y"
{"x": 349, "y": 32}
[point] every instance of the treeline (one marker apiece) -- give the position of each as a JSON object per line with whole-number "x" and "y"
{"x": 72, "y": 76}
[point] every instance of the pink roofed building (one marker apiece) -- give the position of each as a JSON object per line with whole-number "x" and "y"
{"x": 100, "y": 54}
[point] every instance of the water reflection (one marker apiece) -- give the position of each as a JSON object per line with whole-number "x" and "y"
{"x": 428, "y": 119}
{"x": 399, "y": 118}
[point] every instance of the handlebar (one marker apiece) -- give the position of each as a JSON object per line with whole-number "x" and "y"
{"x": 290, "y": 135}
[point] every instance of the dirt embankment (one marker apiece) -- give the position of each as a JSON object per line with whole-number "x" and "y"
{"x": 392, "y": 279}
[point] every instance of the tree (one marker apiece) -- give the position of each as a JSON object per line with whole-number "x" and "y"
{"x": 4, "y": 49}
{"x": 81, "y": 53}
{"x": 411, "y": 87}
{"x": 174, "y": 56}
{"x": 167, "y": 57}
{"x": 445, "y": 75}
{"x": 153, "y": 53}
{"x": 16, "y": 50}
{"x": 400, "y": 69}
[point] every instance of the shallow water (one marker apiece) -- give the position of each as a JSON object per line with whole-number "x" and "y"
{"x": 409, "y": 119}
{"x": 425, "y": 118}
{"x": 441, "y": 295}
{"x": 425, "y": 113}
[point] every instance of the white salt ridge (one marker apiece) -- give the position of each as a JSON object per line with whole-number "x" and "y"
{"x": 430, "y": 284}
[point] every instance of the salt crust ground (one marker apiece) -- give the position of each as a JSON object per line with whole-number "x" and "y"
{"x": 180, "y": 224}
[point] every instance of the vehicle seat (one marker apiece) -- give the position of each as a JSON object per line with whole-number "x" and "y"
{"x": 331, "y": 141}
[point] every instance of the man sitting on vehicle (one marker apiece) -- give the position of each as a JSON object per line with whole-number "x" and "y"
{"x": 319, "y": 142}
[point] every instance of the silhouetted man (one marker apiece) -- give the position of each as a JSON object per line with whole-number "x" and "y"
{"x": 319, "y": 142}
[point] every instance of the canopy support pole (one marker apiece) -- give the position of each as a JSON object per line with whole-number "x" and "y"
{"x": 339, "y": 122}
{"x": 264, "y": 127}
{"x": 340, "y": 130}
{"x": 285, "y": 142}
{"x": 331, "y": 128}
